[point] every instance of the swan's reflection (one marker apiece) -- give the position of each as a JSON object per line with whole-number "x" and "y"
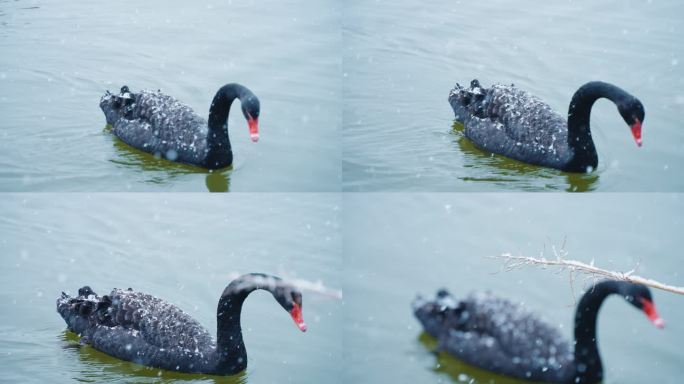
{"x": 217, "y": 181}
{"x": 459, "y": 371}
{"x": 101, "y": 368}
{"x": 508, "y": 173}
{"x": 161, "y": 171}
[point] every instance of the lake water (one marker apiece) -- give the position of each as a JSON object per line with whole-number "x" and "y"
{"x": 400, "y": 245}
{"x": 401, "y": 58}
{"x": 58, "y": 59}
{"x": 179, "y": 248}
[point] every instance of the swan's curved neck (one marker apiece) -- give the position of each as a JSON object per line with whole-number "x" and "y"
{"x": 220, "y": 153}
{"x": 230, "y": 347}
{"x": 579, "y": 130}
{"x": 588, "y": 365}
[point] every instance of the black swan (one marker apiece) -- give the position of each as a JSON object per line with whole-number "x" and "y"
{"x": 503, "y": 337}
{"x": 159, "y": 124}
{"x": 511, "y": 122}
{"x": 146, "y": 330}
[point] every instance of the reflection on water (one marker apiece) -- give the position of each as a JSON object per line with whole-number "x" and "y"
{"x": 503, "y": 171}
{"x": 162, "y": 171}
{"x": 582, "y": 182}
{"x": 459, "y": 371}
{"x": 100, "y": 367}
{"x": 218, "y": 181}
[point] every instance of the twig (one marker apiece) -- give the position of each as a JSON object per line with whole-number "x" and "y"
{"x": 573, "y": 266}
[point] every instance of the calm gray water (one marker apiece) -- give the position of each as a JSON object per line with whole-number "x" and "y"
{"x": 59, "y": 58}
{"x": 180, "y": 248}
{"x": 399, "y": 245}
{"x": 401, "y": 58}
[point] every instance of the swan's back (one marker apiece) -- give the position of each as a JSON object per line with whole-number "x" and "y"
{"x": 509, "y": 121}
{"x": 497, "y": 335}
{"x": 137, "y": 327}
{"x": 157, "y": 123}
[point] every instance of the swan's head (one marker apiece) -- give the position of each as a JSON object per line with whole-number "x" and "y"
{"x": 290, "y": 298}
{"x": 250, "y": 110}
{"x": 114, "y": 106}
{"x": 633, "y": 112}
{"x": 640, "y": 296}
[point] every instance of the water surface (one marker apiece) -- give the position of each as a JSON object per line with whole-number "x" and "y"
{"x": 401, "y": 58}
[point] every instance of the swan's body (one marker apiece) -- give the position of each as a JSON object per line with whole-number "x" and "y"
{"x": 157, "y": 123}
{"x": 508, "y": 121}
{"x": 138, "y": 327}
{"x": 490, "y": 338}
{"x": 503, "y": 337}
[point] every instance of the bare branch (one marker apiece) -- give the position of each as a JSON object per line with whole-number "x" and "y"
{"x": 511, "y": 262}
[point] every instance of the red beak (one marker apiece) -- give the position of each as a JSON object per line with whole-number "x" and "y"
{"x": 296, "y": 314}
{"x": 652, "y": 314}
{"x": 636, "y": 131}
{"x": 253, "y": 128}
